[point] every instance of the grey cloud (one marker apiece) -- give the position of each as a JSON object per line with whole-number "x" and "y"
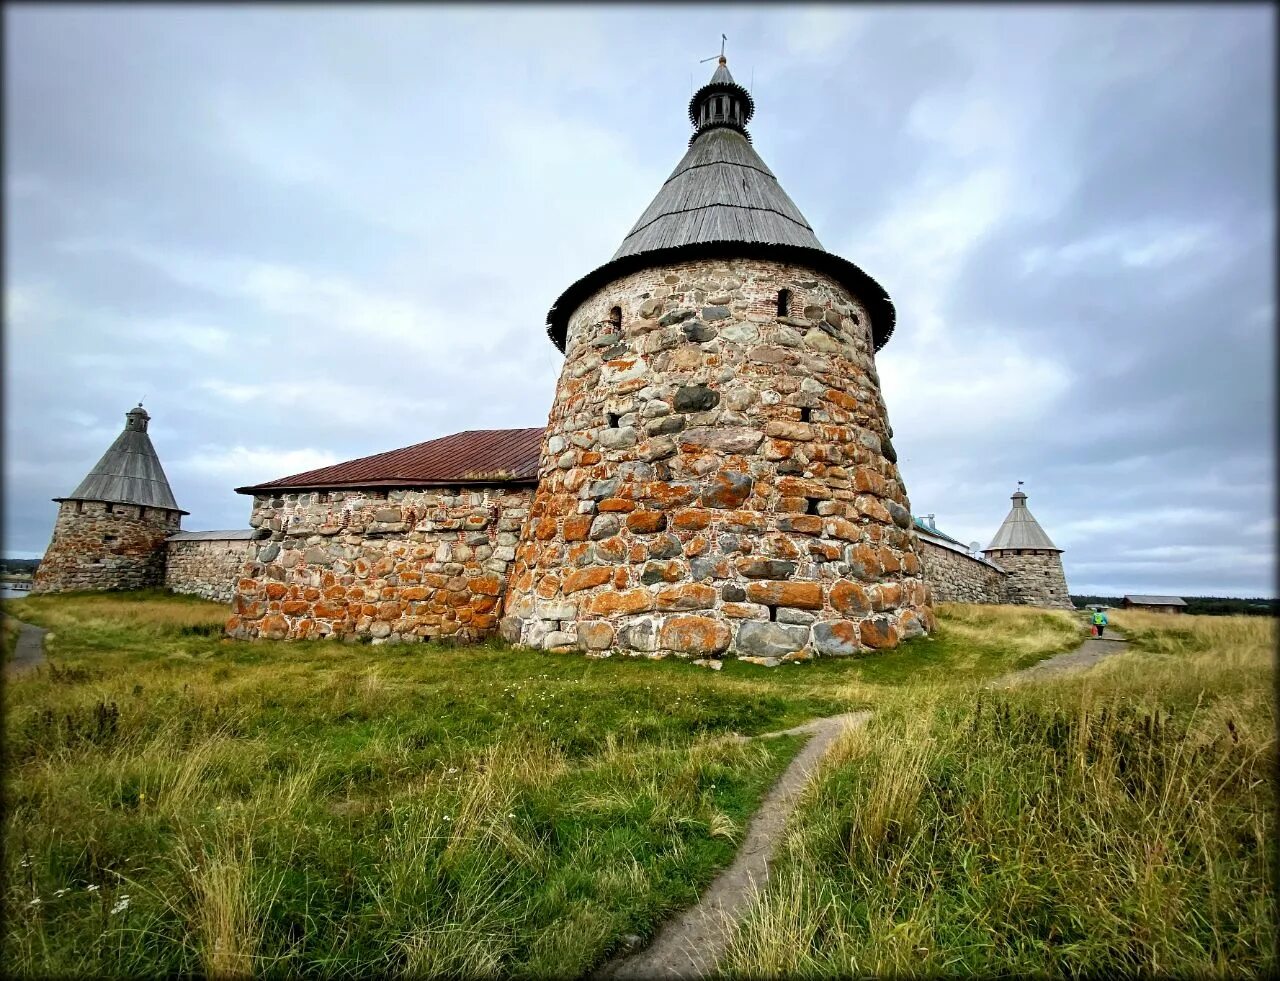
{"x": 375, "y": 208}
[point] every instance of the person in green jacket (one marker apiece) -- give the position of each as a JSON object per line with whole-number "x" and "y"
{"x": 1099, "y": 621}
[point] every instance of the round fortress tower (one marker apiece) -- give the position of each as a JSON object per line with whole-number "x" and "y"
{"x": 1033, "y": 563}
{"x": 717, "y": 475}
{"x": 110, "y": 532}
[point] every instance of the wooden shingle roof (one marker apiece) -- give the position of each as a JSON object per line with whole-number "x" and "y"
{"x": 723, "y": 201}
{"x": 129, "y": 472}
{"x": 1020, "y": 529}
{"x": 478, "y": 456}
{"x": 720, "y": 191}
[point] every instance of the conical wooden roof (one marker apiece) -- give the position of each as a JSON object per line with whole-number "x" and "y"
{"x": 1020, "y": 529}
{"x": 129, "y": 472}
{"x": 721, "y": 191}
{"x": 722, "y": 200}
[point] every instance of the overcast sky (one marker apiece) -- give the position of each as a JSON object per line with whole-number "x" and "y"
{"x": 304, "y": 235}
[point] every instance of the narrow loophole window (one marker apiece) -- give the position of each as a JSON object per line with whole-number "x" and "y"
{"x": 773, "y": 613}
{"x": 79, "y": 507}
{"x": 111, "y": 509}
{"x": 784, "y": 303}
{"x": 812, "y": 506}
{"x": 615, "y": 317}
{"x": 613, "y": 419}
{"x": 108, "y": 539}
{"x": 806, "y": 414}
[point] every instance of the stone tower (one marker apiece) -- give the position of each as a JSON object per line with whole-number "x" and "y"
{"x": 111, "y": 530}
{"x": 1032, "y": 561}
{"x": 717, "y": 475}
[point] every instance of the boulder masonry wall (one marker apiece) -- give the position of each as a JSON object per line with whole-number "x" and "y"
{"x": 208, "y": 564}
{"x": 1035, "y": 578}
{"x": 718, "y": 478}
{"x": 400, "y": 565}
{"x": 956, "y": 577}
{"x": 98, "y": 545}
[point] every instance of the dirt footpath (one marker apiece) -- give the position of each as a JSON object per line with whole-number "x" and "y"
{"x": 29, "y": 652}
{"x": 691, "y": 944}
{"x": 1082, "y": 658}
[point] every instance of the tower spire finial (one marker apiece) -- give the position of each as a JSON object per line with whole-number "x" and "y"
{"x": 723, "y": 59}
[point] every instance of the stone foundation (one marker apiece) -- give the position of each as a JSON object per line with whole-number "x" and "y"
{"x": 403, "y": 565}
{"x": 1034, "y": 577}
{"x": 957, "y": 577}
{"x": 101, "y": 546}
{"x": 208, "y": 564}
{"x": 718, "y": 479}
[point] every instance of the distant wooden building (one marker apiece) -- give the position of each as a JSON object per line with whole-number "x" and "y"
{"x": 1156, "y": 604}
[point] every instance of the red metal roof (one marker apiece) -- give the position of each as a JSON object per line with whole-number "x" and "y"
{"x": 477, "y": 456}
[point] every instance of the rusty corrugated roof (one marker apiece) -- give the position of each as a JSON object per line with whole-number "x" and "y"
{"x": 479, "y": 456}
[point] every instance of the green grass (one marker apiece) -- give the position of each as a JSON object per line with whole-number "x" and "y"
{"x": 1120, "y": 822}
{"x": 179, "y": 802}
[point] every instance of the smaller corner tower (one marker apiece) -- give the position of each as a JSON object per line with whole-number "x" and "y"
{"x": 110, "y": 532}
{"x": 1032, "y": 561}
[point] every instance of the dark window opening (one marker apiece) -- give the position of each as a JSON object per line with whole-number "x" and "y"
{"x": 108, "y": 539}
{"x": 806, "y": 414}
{"x": 784, "y": 303}
{"x": 142, "y": 512}
{"x": 615, "y": 317}
{"x": 812, "y": 506}
{"x": 773, "y": 613}
{"x": 79, "y": 507}
{"x": 613, "y": 419}
{"x": 111, "y": 509}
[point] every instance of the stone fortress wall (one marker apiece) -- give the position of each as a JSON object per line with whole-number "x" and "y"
{"x": 1035, "y": 577}
{"x": 207, "y": 564}
{"x": 399, "y": 565}
{"x": 955, "y": 576}
{"x": 717, "y": 477}
{"x": 99, "y": 546}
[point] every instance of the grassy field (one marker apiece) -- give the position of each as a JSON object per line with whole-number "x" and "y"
{"x": 1121, "y": 822}
{"x": 178, "y": 802}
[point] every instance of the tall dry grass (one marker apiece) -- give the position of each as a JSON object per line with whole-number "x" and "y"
{"x": 181, "y": 804}
{"x": 1118, "y": 822}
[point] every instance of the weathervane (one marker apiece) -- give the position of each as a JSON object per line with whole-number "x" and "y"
{"x": 721, "y": 55}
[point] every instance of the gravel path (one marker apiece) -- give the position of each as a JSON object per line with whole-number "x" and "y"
{"x": 690, "y": 944}
{"x": 29, "y": 652}
{"x": 1082, "y": 658}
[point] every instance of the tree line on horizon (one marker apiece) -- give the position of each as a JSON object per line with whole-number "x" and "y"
{"x": 1207, "y": 605}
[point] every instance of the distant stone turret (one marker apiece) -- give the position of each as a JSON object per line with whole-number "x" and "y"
{"x": 1032, "y": 561}
{"x": 111, "y": 530}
